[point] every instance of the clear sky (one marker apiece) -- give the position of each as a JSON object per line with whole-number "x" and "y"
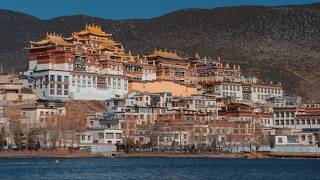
{"x": 124, "y": 9}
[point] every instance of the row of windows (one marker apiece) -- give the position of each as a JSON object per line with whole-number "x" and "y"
{"x": 262, "y": 97}
{"x": 229, "y": 94}
{"x": 231, "y": 87}
{"x": 111, "y": 136}
{"x": 283, "y": 114}
{"x": 53, "y": 78}
{"x": 265, "y": 121}
{"x": 47, "y": 120}
{"x": 87, "y": 81}
{"x": 59, "y": 89}
{"x": 57, "y": 78}
{"x": 84, "y": 81}
{"x": 245, "y": 119}
{"x": 266, "y": 90}
{"x": 115, "y": 83}
{"x": 298, "y": 122}
{"x": 42, "y": 113}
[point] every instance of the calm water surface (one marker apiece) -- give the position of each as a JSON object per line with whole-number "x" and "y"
{"x": 157, "y": 168}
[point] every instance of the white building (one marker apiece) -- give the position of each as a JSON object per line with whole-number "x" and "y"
{"x": 106, "y": 136}
{"x": 295, "y": 118}
{"x": 229, "y": 89}
{"x": 261, "y": 92}
{"x": 41, "y": 116}
{"x": 102, "y": 129}
{"x": 53, "y": 84}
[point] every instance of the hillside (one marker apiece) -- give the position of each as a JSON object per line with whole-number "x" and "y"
{"x": 274, "y": 43}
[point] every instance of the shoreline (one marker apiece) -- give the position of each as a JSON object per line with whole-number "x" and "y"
{"x": 178, "y": 155}
{"x": 88, "y": 154}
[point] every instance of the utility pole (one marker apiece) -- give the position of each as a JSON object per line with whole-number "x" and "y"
{"x": 1, "y": 69}
{"x": 180, "y": 138}
{"x": 1, "y": 72}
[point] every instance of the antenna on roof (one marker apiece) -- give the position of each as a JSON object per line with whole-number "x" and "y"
{"x": 12, "y": 70}
{"x": 1, "y": 69}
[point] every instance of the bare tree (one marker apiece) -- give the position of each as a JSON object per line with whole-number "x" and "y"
{"x": 19, "y": 137}
{"x": 67, "y": 127}
{"x": 31, "y": 139}
{"x": 3, "y": 140}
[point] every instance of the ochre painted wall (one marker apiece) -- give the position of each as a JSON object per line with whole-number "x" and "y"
{"x": 162, "y": 86}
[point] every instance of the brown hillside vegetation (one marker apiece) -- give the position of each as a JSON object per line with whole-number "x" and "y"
{"x": 85, "y": 107}
{"x": 274, "y": 43}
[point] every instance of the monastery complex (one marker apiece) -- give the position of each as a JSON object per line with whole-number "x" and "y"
{"x": 88, "y": 91}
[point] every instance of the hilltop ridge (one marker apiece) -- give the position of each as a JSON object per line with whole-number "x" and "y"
{"x": 274, "y": 43}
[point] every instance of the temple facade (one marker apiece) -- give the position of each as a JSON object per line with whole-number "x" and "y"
{"x": 90, "y": 65}
{"x": 87, "y": 66}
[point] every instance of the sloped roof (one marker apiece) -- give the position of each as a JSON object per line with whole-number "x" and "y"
{"x": 93, "y": 29}
{"x": 51, "y": 39}
{"x": 165, "y": 54}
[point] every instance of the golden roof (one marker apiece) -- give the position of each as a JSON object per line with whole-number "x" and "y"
{"x": 108, "y": 41}
{"x": 93, "y": 29}
{"x": 110, "y": 47}
{"x": 51, "y": 39}
{"x": 124, "y": 55}
{"x": 165, "y": 54}
{"x": 74, "y": 37}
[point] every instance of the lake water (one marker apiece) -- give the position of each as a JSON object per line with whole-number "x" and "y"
{"x": 158, "y": 168}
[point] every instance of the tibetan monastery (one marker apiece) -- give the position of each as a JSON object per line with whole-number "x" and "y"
{"x": 90, "y": 65}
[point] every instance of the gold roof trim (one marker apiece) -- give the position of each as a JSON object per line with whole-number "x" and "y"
{"x": 74, "y": 37}
{"x": 93, "y": 29}
{"x": 111, "y": 47}
{"x": 53, "y": 39}
{"x": 165, "y": 54}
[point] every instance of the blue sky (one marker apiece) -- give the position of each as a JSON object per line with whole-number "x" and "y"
{"x": 124, "y": 9}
